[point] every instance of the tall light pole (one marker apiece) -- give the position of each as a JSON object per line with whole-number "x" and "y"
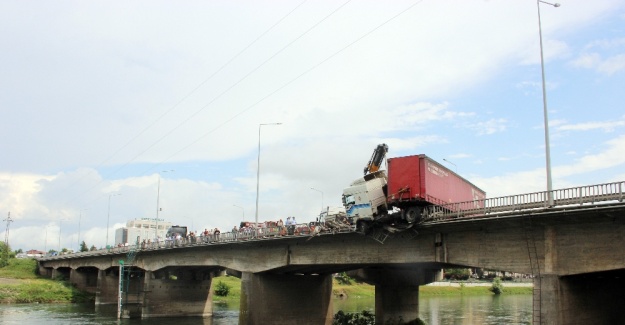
{"x": 312, "y": 188}
{"x": 45, "y": 244}
{"x": 79, "y": 218}
{"x": 258, "y": 169}
{"x": 455, "y": 166}
{"x": 546, "y": 119}
{"x": 242, "y": 210}
{"x": 59, "y": 235}
{"x": 158, "y": 197}
{"x": 108, "y": 218}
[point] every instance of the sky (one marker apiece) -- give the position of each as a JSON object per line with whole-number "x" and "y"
{"x": 107, "y": 107}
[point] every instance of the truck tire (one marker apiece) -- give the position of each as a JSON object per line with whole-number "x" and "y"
{"x": 362, "y": 227}
{"x": 412, "y": 215}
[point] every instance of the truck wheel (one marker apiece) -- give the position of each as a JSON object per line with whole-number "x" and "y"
{"x": 362, "y": 227}
{"x": 412, "y": 215}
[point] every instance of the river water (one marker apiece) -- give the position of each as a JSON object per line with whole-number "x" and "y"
{"x": 513, "y": 309}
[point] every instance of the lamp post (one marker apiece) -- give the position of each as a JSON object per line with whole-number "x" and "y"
{"x": 79, "y": 218}
{"x": 455, "y": 166}
{"x": 242, "y": 210}
{"x": 312, "y": 188}
{"x": 108, "y": 218}
{"x": 45, "y": 244}
{"x": 59, "y": 235}
{"x": 546, "y": 119}
{"x": 158, "y": 197}
{"x": 258, "y": 169}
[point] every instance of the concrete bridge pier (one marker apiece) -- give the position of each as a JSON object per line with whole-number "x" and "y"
{"x": 592, "y": 298}
{"x": 107, "y": 286}
{"x": 396, "y": 291}
{"x": 187, "y": 293}
{"x": 285, "y": 299}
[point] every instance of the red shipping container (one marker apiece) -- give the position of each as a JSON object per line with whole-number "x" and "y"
{"x": 419, "y": 178}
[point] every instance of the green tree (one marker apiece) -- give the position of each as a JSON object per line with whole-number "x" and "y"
{"x": 83, "y": 247}
{"x": 497, "y": 287}
{"x": 93, "y": 248}
{"x": 222, "y": 289}
{"x": 4, "y": 254}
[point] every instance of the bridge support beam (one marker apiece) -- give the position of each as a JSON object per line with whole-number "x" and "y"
{"x": 107, "y": 287}
{"x": 396, "y": 291}
{"x": 594, "y": 298}
{"x": 285, "y": 299}
{"x": 189, "y": 294}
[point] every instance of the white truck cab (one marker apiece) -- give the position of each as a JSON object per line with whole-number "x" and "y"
{"x": 365, "y": 198}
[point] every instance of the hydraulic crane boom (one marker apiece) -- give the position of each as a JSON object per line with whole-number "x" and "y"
{"x": 376, "y": 159}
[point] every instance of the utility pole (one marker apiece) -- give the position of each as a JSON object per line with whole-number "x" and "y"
{"x": 6, "y": 234}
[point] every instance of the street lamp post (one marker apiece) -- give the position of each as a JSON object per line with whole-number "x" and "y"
{"x": 258, "y": 169}
{"x": 79, "y": 218}
{"x": 546, "y": 119}
{"x": 312, "y": 188}
{"x": 45, "y": 244}
{"x": 242, "y": 210}
{"x": 455, "y": 166}
{"x": 158, "y": 197}
{"x": 59, "y": 236}
{"x": 108, "y": 217}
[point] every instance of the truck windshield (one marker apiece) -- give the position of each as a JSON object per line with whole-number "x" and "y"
{"x": 349, "y": 199}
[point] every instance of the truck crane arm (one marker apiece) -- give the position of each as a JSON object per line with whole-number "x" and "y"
{"x": 376, "y": 159}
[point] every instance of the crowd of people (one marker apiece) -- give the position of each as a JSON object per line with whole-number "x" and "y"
{"x": 246, "y": 230}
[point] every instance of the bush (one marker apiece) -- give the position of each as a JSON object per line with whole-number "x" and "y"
{"x": 344, "y": 279}
{"x": 222, "y": 289}
{"x": 364, "y": 318}
{"x": 497, "y": 287}
{"x": 457, "y": 274}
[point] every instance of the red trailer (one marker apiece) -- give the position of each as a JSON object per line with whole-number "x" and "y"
{"x": 418, "y": 181}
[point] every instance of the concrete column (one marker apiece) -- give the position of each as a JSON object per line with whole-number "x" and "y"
{"x": 596, "y": 298}
{"x": 397, "y": 293}
{"x": 78, "y": 279}
{"x": 188, "y": 295}
{"x": 108, "y": 287}
{"x": 285, "y": 299}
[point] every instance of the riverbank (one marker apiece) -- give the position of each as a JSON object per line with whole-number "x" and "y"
{"x": 19, "y": 283}
{"x": 363, "y": 290}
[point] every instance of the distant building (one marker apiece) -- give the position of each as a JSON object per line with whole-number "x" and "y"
{"x": 143, "y": 228}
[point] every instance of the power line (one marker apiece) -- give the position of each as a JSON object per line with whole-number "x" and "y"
{"x": 175, "y": 106}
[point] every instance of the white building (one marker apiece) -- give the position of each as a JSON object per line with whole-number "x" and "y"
{"x": 144, "y": 228}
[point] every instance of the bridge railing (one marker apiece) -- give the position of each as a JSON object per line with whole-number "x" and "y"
{"x": 561, "y": 197}
{"x": 243, "y": 235}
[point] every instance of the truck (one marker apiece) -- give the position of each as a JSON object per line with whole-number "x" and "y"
{"x": 173, "y": 231}
{"x": 395, "y": 199}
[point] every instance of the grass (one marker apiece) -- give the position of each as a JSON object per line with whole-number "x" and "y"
{"x": 20, "y": 268}
{"x": 28, "y": 287}
{"x": 363, "y": 290}
{"x": 234, "y": 295}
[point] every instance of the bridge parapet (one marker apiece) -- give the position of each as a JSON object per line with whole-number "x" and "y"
{"x": 590, "y": 194}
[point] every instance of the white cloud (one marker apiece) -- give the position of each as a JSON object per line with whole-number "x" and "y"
{"x": 606, "y": 126}
{"x": 492, "y": 126}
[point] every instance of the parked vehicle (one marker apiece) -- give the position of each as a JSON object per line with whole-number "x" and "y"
{"x": 398, "y": 200}
{"x": 177, "y": 230}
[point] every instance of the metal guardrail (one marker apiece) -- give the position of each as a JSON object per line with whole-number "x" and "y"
{"x": 538, "y": 200}
{"x": 469, "y": 209}
{"x": 244, "y": 235}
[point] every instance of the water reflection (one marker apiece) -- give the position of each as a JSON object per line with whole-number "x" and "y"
{"x": 514, "y": 309}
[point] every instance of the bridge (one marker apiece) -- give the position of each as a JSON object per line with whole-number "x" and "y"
{"x": 573, "y": 249}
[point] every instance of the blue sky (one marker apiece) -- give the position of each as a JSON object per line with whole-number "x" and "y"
{"x": 99, "y": 97}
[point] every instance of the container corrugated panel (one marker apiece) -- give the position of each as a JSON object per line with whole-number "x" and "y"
{"x": 421, "y": 178}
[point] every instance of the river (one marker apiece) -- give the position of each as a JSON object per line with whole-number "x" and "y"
{"x": 513, "y": 309}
